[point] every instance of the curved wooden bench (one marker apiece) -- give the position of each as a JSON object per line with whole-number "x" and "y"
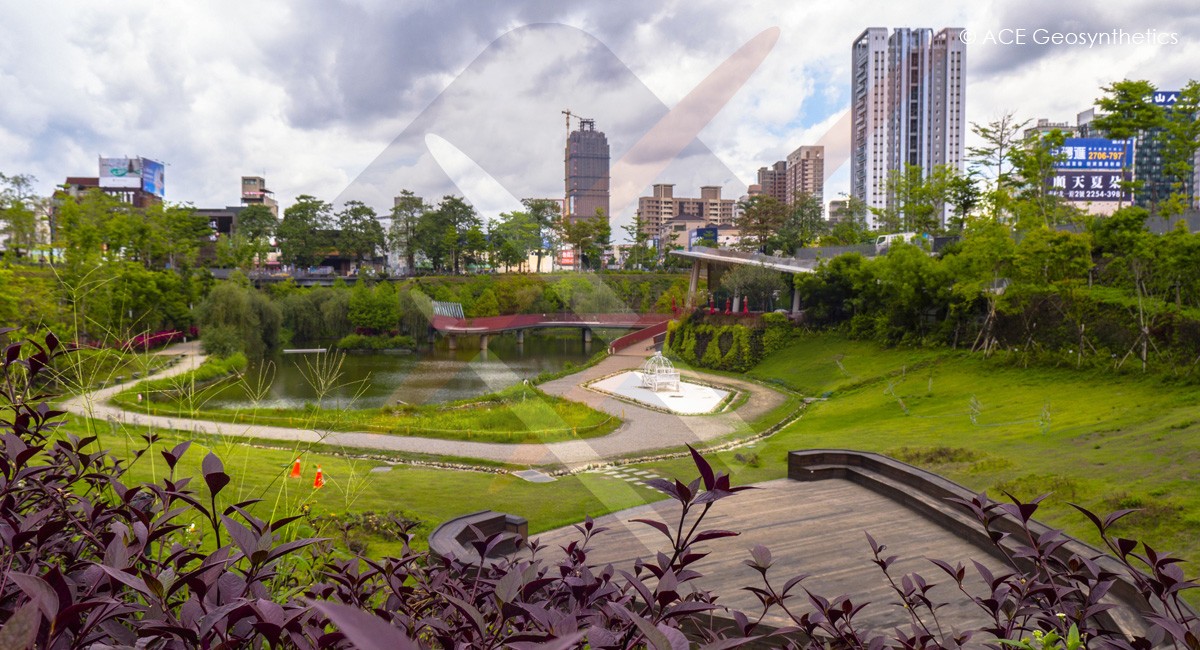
{"x": 453, "y": 538}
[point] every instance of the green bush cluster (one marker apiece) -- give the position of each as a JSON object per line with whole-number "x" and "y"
{"x": 731, "y": 346}
{"x": 1105, "y": 296}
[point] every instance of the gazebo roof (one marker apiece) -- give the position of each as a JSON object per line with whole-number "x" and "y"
{"x": 656, "y": 364}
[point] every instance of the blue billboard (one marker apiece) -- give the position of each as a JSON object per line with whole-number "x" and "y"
{"x": 706, "y": 236}
{"x": 1094, "y": 153}
{"x": 1166, "y": 98}
{"x": 152, "y": 177}
{"x": 1091, "y": 186}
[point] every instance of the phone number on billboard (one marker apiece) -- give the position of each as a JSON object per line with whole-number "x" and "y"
{"x": 1110, "y": 195}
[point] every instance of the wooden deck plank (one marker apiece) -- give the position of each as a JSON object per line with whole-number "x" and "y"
{"x": 811, "y": 527}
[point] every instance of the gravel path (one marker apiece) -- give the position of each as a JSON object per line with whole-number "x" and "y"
{"x": 643, "y": 431}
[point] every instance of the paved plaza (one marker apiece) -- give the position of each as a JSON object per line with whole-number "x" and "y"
{"x": 690, "y": 399}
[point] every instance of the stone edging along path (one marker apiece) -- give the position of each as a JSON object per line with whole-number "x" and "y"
{"x": 642, "y": 432}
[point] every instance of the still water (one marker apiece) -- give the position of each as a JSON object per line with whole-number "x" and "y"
{"x": 432, "y": 374}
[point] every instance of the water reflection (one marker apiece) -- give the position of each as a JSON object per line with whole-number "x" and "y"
{"x": 434, "y": 374}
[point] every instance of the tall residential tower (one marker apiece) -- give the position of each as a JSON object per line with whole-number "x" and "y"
{"x": 587, "y": 160}
{"x": 906, "y": 106}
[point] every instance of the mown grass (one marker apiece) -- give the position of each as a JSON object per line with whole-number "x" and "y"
{"x": 516, "y": 414}
{"x": 429, "y": 494}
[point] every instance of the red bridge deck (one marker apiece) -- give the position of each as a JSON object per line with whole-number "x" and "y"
{"x": 497, "y": 324}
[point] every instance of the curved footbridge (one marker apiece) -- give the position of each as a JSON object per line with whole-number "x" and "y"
{"x": 450, "y": 323}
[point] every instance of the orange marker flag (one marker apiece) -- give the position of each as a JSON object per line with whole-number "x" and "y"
{"x": 319, "y": 481}
{"x": 295, "y": 469}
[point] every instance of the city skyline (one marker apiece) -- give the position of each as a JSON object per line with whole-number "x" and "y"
{"x": 313, "y": 96}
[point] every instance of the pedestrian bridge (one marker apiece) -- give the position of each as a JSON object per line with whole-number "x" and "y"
{"x": 444, "y": 321}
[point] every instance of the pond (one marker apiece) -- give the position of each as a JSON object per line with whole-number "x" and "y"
{"x": 432, "y": 374}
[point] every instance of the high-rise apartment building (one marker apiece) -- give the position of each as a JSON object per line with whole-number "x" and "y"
{"x": 907, "y": 106}
{"x": 587, "y": 160}
{"x": 805, "y": 172}
{"x": 662, "y": 213}
{"x": 772, "y": 181}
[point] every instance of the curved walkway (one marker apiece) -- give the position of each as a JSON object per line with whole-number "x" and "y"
{"x": 643, "y": 430}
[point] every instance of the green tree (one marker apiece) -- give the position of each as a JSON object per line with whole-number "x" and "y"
{"x": 916, "y": 200}
{"x": 360, "y": 233}
{"x": 253, "y": 228}
{"x": 442, "y": 232}
{"x": 1036, "y": 204}
{"x": 1052, "y": 264}
{"x": 761, "y": 217}
{"x": 1179, "y": 140}
{"x": 475, "y": 246}
{"x": 236, "y": 318}
{"x": 402, "y": 233}
{"x": 588, "y": 237}
{"x": 18, "y": 212}
{"x": 963, "y": 195}
{"x": 851, "y": 227}
{"x": 981, "y": 270}
{"x": 545, "y": 214}
{"x": 173, "y": 236}
{"x": 520, "y": 234}
{"x": 993, "y": 159}
{"x": 803, "y": 223}
{"x": 642, "y": 255}
{"x": 301, "y": 243}
{"x": 1126, "y": 111}
{"x": 486, "y": 305}
{"x": 374, "y": 308}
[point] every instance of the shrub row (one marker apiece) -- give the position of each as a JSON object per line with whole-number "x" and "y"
{"x": 363, "y": 342}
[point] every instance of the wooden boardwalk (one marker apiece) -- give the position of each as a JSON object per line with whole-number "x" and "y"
{"x": 811, "y": 527}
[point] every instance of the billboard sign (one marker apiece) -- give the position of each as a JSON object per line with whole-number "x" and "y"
{"x": 152, "y": 177}
{"x": 1165, "y": 98}
{"x": 708, "y": 235}
{"x": 1094, "y": 153}
{"x": 1085, "y": 186}
{"x": 566, "y": 256}
{"x": 121, "y": 173}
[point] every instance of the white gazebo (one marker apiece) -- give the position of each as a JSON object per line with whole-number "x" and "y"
{"x": 659, "y": 374}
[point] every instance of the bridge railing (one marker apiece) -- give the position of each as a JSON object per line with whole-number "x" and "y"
{"x": 634, "y": 338}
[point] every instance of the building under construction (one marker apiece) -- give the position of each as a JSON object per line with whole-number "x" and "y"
{"x": 586, "y": 171}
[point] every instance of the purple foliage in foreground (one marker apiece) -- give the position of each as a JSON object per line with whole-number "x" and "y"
{"x": 90, "y": 562}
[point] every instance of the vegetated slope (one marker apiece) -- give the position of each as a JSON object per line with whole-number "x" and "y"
{"x": 1100, "y": 439}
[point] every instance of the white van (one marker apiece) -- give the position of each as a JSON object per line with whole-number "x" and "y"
{"x": 884, "y": 242}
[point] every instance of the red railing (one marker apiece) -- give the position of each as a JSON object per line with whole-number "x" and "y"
{"x": 496, "y": 324}
{"x": 632, "y": 338}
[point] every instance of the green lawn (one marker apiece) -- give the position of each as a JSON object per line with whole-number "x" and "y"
{"x": 515, "y": 414}
{"x": 429, "y": 494}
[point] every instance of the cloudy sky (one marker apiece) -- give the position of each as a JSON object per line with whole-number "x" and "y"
{"x": 358, "y": 99}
